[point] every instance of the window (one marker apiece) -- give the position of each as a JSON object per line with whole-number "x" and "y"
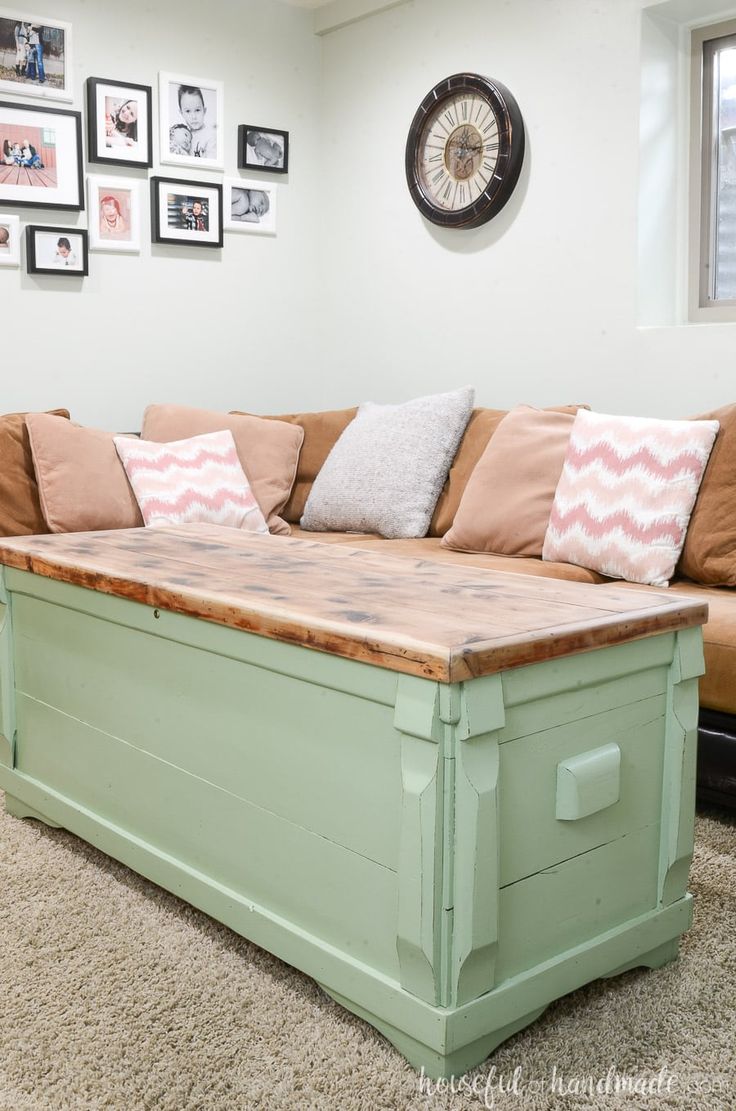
{"x": 714, "y": 178}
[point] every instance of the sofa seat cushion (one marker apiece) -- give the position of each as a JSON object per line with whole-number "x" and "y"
{"x": 717, "y": 686}
{"x": 430, "y": 547}
{"x": 355, "y": 538}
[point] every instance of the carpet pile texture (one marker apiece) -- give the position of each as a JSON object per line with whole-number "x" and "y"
{"x": 116, "y": 995}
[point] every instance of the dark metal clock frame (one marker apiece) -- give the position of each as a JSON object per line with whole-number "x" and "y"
{"x": 510, "y": 152}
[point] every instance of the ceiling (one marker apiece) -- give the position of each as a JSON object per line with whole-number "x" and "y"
{"x": 307, "y": 3}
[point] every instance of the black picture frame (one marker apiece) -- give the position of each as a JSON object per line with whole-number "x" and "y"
{"x": 195, "y": 190}
{"x": 244, "y": 129}
{"x": 34, "y": 266}
{"x": 14, "y": 193}
{"x": 94, "y": 153}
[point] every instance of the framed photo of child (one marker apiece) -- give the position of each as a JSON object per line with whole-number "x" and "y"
{"x": 40, "y": 157}
{"x": 56, "y": 250}
{"x": 9, "y": 240}
{"x": 35, "y": 55}
{"x": 263, "y": 148}
{"x": 250, "y": 206}
{"x": 186, "y": 212}
{"x": 119, "y": 123}
{"x": 114, "y": 214}
{"x": 191, "y": 121}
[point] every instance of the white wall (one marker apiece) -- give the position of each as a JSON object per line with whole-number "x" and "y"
{"x": 540, "y": 305}
{"x": 217, "y": 328}
{"x": 358, "y": 296}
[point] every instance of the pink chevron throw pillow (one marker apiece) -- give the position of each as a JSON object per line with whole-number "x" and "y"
{"x": 626, "y": 492}
{"x": 199, "y": 479}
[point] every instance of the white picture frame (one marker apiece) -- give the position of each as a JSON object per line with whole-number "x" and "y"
{"x": 9, "y": 240}
{"x": 250, "y": 206}
{"x": 48, "y": 77}
{"x": 191, "y": 123}
{"x": 114, "y": 208}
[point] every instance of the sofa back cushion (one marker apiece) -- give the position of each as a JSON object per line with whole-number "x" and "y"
{"x": 268, "y": 450}
{"x": 81, "y": 482}
{"x": 709, "y": 554}
{"x": 20, "y": 506}
{"x": 508, "y": 497}
{"x": 321, "y": 433}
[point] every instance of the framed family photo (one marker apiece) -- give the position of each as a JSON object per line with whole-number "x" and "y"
{"x": 263, "y": 148}
{"x": 191, "y": 121}
{"x": 40, "y": 157}
{"x": 186, "y": 212}
{"x": 9, "y": 240}
{"x": 56, "y": 250}
{"x": 119, "y": 123}
{"x": 35, "y": 55}
{"x": 250, "y": 206}
{"x": 114, "y": 211}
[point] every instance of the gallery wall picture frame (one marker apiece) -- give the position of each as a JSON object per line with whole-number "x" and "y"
{"x": 9, "y": 240}
{"x": 119, "y": 123}
{"x": 114, "y": 209}
{"x": 55, "y": 250}
{"x": 35, "y": 55}
{"x": 187, "y": 213}
{"x": 40, "y": 157}
{"x": 191, "y": 121}
{"x": 250, "y": 206}
{"x": 263, "y": 148}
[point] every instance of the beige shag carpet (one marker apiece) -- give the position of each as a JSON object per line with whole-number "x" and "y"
{"x": 114, "y": 994}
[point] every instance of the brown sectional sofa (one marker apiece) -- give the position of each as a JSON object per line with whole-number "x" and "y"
{"x": 20, "y": 512}
{"x": 717, "y": 749}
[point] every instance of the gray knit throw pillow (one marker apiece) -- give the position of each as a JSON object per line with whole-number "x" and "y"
{"x": 387, "y": 470}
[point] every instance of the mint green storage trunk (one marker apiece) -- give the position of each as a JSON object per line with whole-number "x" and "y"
{"x": 444, "y": 858}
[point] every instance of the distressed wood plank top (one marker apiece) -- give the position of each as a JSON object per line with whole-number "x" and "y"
{"x": 411, "y": 615}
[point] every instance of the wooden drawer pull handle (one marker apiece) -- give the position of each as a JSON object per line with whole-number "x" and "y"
{"x": 588, "y": 783}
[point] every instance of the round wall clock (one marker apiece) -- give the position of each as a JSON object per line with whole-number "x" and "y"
{"x": 464, "y": 151}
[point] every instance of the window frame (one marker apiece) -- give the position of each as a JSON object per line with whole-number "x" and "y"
{"x": 703, "y": 188}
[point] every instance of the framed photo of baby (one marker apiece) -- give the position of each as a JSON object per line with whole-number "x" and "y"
{"x": 114, "y": 214}
{"x": 9, "y": 240}
{"x": 119, "y": 123}
{"x": 191, "y": 121}
{"x": 186, "y": 212}
{"x": 263, "y": 148}
{"x": 35, "y": 55}
{"x": 57, "y": 250}
{"x": 250, "y": 206}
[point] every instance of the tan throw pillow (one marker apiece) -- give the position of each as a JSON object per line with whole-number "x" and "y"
{"x": 81, "y": 482}
{"x": 508, "y": 499}
{"x": 709, "y": 554}
{"x": 20, "y": 508}
{"x": 268, "y": 449}
{"x": 321, "y": 432}
{"x": 481, "y": 426}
